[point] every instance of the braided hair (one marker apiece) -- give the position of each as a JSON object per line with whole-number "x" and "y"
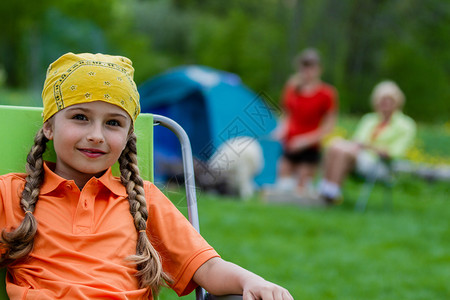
{"x": 19, "y": 242}
{"x": 148, "y": 262}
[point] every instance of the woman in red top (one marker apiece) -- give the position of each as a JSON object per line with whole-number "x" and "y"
{"x": 310, "y": 107}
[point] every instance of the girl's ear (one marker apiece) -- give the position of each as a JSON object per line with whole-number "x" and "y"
{"x": 48, "y": 130}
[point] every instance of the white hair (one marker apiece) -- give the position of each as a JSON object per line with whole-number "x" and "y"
{"x": 388, "y": 88}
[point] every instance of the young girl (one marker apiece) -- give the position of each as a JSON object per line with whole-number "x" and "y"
{"x": 71, "y": 230}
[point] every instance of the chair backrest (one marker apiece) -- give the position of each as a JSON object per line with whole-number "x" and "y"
{"x": 18, "y": 126}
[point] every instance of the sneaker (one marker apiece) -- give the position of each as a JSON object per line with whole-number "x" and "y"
{"x": 332, "y": 201}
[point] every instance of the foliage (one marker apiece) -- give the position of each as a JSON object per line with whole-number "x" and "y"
{"x": 362, "y": 42}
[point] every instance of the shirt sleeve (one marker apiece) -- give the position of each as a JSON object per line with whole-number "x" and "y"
{"x": 331, "y": 104}
{"x": 182, "y": 249}
{"x": 11, "y": 186}
{"x": 285, "y": 98}
{"x": 2, "y": 214}
{"x": 2, "y": 206}
{"x": 406, "y": 132}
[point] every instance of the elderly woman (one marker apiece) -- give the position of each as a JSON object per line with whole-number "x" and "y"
{"x": 381, "y": 135}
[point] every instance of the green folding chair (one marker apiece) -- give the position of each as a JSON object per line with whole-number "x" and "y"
{"x": 17, "y": 140}
{"x": 387, "y": 181}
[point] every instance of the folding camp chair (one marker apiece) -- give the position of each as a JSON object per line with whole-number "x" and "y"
{"x": 387, "y": 180}
{"x": 17, "y": 141}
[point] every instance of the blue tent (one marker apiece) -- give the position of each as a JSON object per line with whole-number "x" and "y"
{"x": 212, "y": 106}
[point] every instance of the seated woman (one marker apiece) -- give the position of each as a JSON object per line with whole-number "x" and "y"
{"x": 381, "y": 135}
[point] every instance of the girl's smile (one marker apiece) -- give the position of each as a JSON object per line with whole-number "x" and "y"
{"x": 88, "y": 139}
{"x": 92, "y": 153}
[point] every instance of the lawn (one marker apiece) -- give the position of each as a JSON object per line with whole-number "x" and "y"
{"x": 337, "y": 253}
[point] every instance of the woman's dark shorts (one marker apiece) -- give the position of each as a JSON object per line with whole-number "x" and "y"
{"x": 310, "y": 155}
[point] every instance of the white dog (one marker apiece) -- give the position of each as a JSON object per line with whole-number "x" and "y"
{"x": 237, "y": 161}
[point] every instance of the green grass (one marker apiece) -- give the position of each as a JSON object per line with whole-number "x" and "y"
{"x": 337, "y": 253}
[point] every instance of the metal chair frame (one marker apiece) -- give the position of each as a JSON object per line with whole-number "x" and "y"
{"x": 191, "y": 196}
{"x": 369, "y": 184}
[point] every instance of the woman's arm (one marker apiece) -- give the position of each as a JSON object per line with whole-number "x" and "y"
{"x": 220, "y": 277}
{"x": 305, "y": 140}
{"x": 280, "y": 132}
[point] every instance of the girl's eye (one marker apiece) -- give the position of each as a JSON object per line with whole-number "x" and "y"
{"x": 80, "y": 117}
{"x": 113, "y": 123}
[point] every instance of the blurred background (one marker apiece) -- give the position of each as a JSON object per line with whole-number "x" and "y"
{"x": 362, "y": 42}
{"x": 317, "y": 254}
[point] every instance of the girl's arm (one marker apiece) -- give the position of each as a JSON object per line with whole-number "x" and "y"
{"x": 220, "y": 277}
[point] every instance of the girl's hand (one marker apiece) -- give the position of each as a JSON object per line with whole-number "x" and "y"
{"x": 220, "y": 277}
{"x": 265, "y": 290}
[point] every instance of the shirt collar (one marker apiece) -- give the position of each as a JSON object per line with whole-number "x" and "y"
{"x": 52, "y": 181}
{"x": 114, "y": 184}
{"x": 395, "y": 115}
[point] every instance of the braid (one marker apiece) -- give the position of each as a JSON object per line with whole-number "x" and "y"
{"x": 148, "y": 262}
{"x": 19, "y": 242}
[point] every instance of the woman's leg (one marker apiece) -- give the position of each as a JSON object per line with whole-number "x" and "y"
{"x": 340, "y": 160}
{"x": 306, "y": 173}
{"x": 285, "y": 167}
{"x": 286, "y": 175}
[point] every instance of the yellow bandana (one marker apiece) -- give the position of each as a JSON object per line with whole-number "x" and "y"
{"x": 82, "y": 78}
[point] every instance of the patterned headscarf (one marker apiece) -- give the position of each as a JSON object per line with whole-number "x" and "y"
{"x": 81, "y": 78}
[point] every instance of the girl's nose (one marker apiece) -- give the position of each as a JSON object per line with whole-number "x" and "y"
{"x": 95, "y": 135}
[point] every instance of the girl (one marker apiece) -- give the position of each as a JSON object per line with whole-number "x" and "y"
{"x": 72, "y": 230}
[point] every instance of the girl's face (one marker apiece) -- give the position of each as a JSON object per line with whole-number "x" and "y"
{"x": 88, "y": 139}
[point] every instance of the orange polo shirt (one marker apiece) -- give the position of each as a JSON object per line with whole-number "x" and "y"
{"x": 84, "y": 237}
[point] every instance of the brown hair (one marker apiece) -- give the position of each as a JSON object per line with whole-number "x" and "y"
{"x": 18, "y": 243}
{"x": 148, "y": 262}
{"x": 309, "y": 56}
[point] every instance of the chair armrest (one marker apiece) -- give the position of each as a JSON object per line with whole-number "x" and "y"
{"x": 227, "y": 297}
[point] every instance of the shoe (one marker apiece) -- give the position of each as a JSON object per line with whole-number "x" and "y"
{"x": 332, "y": 201}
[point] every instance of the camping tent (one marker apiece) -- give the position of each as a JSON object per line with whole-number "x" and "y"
{"x": 212, "y": 106}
